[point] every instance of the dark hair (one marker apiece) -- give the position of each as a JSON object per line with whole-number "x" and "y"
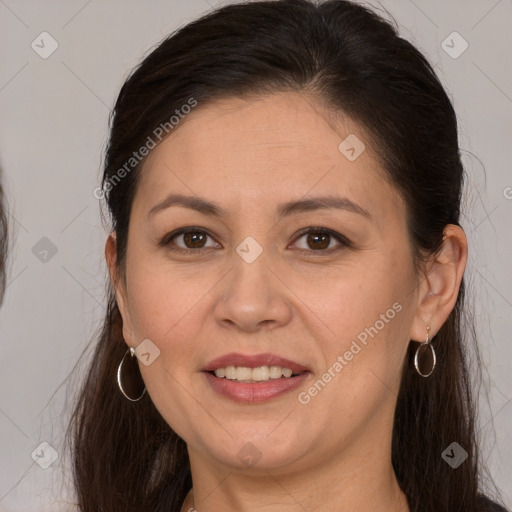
{"x": 126, "y": 457}
{"x": 4, "y": 241}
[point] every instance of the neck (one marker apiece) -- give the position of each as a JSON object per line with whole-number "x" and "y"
{"x": 354, "y": 482}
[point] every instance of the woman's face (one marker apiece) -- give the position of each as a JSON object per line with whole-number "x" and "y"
{"x": 248, "y": 280}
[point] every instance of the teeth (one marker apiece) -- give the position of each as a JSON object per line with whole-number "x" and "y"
{"x": 287, "y": 372}
{"x": 275, "y": 372}
{"x": 261, "y": 373}
{"x": 243, "y": 373}
{"x": 230, "y": 372}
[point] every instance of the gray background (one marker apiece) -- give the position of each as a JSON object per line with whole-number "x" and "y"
{"x": 53, "y": 127}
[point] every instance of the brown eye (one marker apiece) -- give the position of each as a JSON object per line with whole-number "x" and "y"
{"x": 194, "y": 239}
{"x": 318, "y": 241}
{"x": 188, "y": 240}
{"x": 321, "y": 240}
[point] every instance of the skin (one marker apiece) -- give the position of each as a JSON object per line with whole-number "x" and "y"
{"x": 249, "y": 156}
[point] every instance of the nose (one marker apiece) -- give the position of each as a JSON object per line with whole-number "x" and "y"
{"x": 253, "y": 297}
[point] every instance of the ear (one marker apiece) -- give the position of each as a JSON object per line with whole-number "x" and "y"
{"x": 119, "y": 284}
{"x": 440, "y": 287}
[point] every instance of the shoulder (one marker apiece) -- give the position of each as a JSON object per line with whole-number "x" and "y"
{"x": 486, "y": 505}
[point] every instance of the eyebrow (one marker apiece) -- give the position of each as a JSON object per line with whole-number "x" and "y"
{"x": 205, "y": 207}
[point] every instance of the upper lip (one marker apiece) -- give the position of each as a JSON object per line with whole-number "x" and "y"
{"x": 253, "y": 361}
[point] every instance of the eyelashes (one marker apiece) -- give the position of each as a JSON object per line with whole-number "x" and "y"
{"x": 167, "y": 241}
{"x": 321, "y": 234}
{"x": 313, "y": 235}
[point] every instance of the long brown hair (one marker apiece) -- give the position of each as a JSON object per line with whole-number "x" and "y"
{"x": 4, "y": 240}
{"x": 126, "y": 457}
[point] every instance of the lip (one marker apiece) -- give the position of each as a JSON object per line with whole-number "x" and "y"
{"x": 254, "y": 392}
{"x": 253, "y": 361}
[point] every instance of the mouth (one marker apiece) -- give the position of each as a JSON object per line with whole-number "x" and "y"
{"x": 256, "y": 368}
{"x": 252, "y": 375}
{"x": 255, "y": 378}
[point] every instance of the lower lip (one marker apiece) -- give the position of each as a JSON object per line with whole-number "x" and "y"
{"x": 254, "y": 392}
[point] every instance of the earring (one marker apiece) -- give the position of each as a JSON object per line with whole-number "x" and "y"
{"x": 135, "y": 374}
{"x": 428, "y": 344}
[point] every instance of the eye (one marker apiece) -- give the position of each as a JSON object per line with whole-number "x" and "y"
{"x": 319, "y": 240}
{"x": 192, "y": 239}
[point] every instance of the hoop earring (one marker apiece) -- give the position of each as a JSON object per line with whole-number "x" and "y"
{"x": 428, "y": 344}
{"x": 131, "y": 351}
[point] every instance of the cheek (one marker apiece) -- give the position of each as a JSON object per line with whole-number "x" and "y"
{"x": 364, "y": 339}
{"x": 360, "y": 314}
{"x": 169, "y": 311}
{"x": 164, "y": 302}
{"x": 349, "y": 299}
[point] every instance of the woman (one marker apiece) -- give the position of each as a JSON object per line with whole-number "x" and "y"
{"x": 284, "y": 323}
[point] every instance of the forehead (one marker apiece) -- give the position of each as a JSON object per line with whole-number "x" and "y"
{"x": 275, "y": 124}
{"x": 280, "y": 146}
